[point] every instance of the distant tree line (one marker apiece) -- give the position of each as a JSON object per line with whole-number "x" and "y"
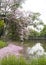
{"x": 38, "y": 35}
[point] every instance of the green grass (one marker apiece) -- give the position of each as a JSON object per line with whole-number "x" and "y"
{"x": 2, "y": 44}
{"x": 42, "y": 61}
{"x": 38, "y": 61}
{"x": 12, "y": 60}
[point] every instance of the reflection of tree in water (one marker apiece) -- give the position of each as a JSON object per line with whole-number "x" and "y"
{"x": 43, "y": 42}
{"x": 36, "y": 51}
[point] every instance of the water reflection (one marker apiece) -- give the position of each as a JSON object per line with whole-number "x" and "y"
{"x": 31, "y": 43}
{"x": 36, "y": 50}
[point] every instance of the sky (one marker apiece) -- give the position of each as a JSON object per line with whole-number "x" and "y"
{"x": 36, "y": 6}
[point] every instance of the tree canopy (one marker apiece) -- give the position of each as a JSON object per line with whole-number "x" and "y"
{"x": 17, "y": 21}
{"x": 43, "y": 32}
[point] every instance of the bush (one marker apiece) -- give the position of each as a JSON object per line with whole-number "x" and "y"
{"x": 12, "y": 60}
{"x": 1, "y": 27}
{"x": 1, "y": 23}
{"x": 2, "y": 44}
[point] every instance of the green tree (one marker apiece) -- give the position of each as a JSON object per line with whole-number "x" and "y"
{"x": 43, "y": 32}
{"x": 8, "y": 8}
{"x": 16, "y": 20}
{"x": 33, "y": 33}
{"x": 1, "y": 27}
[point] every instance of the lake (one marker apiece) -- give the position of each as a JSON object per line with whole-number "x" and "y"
{"x": 34, "y": 48}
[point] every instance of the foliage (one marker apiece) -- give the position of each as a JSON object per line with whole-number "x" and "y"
{"x": 18, "y": 20}
{"x": 1, "y": 23}
{"x": 35, "y": 16}
{"x": 21, "y": 23}
{"x": 12, "y": 60}
{"x": 12, "y": 6}
{"x": 34, "y": 33}
{"x": 2, "y": 44}
{"x": 42, "y": 61}
{"x": 38, "y": 61}
{"x": 13, "y": 30}
{"x": 1, "y": 27}
{"x": 43, "y": 32}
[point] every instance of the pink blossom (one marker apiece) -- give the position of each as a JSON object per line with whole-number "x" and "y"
{"x": 10, "y": 49}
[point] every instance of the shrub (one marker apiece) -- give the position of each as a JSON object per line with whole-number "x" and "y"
{"x": 1, "y": 27}
{"x": 1, "y": 23}
{"x": 2, "y": 44}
